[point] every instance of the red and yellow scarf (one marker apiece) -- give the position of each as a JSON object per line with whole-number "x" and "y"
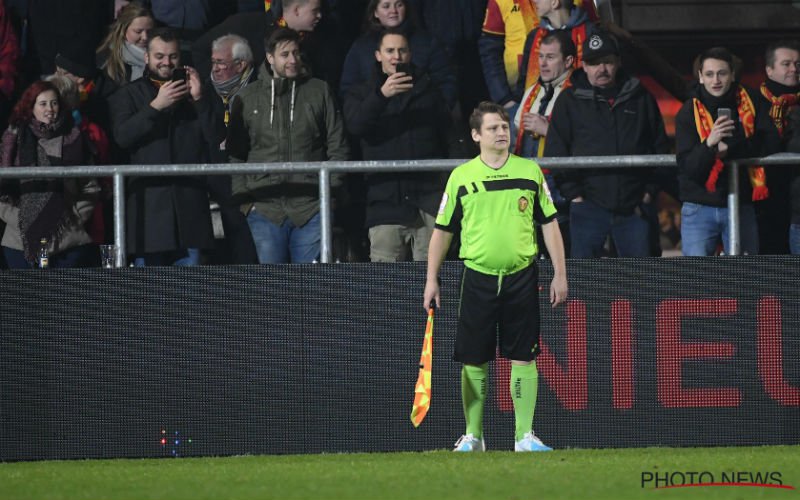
{"x": 526, "y": 108}
{"x": 578, "y": 34}
{"x": 747, "y": 116}
{"x": 781, "y": 105}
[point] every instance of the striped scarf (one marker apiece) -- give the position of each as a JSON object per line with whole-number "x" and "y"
{"x": 779, "y": 111}
{"x": 747, "y": 116}
{"x": 526, "y": 108}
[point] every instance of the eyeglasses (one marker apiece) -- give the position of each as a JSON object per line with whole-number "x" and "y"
{"x": 223, "y": 64}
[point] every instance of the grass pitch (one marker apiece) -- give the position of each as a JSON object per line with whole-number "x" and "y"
{"x": 580, "y": 474}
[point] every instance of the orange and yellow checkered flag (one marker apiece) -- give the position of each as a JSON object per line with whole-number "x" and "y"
{"x": 422, "y": 391}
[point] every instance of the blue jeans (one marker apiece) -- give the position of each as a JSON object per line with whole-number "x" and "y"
{"x": 591, "y": 224}
{"x": 703, "y": 226}
{"x": 287, "y": 242}
{"x": 182, "y": 258}
{"x": 794, "y": 239}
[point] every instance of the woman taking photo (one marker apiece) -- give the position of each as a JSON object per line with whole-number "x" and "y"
{"x": 50, "y": 210}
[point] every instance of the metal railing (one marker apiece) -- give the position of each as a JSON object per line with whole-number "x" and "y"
{"x": 325, "y": 169}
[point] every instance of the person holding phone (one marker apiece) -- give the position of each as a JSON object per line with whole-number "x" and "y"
{"x": 722, "y": 120}
{"x": 164, "y": 118}
{"x": 429, "y": 53}
{"x": 399, "y": 114}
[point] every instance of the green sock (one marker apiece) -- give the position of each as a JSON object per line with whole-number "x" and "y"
{"x": 473, "y": 395}
{"x": 524, "y": 388}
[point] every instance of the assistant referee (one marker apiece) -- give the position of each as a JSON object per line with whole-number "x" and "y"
{"x": 494, "y": 200}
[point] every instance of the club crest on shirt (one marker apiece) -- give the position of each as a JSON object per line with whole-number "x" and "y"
{"x": 522, "y": 203}
{"x": 443, "y": 203}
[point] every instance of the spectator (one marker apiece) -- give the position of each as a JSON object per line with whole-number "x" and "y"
{"x": 606, "y": 113}
{"x": 98, "y": 140}
{"x": 121, "y": 55}
{"x": 554, "y": 15}
{"x": 285, "y": 116}
{"x": 160, "y": 119}
{"x": 41, "y": 133}
{"x": 399, "y": 115}
{"x": 429, "y": 54}
{"x": 94, "y": 90}
{"x": 555, "y": 62}
{"x": 704, "y": 137}
{"x": 505, "y": 26}
{"x": 781, "y": 90}
{"x": 231, "y": 71}
{"x": 299, "y": 15}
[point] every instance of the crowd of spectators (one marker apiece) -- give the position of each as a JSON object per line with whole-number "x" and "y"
{"x": 210, "y": 81}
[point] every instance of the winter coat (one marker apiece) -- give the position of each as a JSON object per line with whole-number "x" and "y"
{"x": 695, "y": 159}
{"x": 409, "y": 126}
{"x": 584, "y": 123}
{"x": 280, "y": 120}
{"x": 165, "y": 213}
{"x": 83, "y": 193}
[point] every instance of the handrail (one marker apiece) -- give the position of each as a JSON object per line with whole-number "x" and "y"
{"x": 326, "y": 168}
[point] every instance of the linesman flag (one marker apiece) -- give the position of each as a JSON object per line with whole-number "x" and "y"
{"x": 422, "y": 391}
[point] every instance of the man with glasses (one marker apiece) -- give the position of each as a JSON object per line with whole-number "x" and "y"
{"x": 232, "y": 70}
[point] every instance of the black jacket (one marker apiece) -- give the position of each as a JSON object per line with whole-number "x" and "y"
{"x": 165, "y": 213}
{"x": 585, "y": 123}
{"x": 695, "y": 159}
{"x": 408, "y": 126}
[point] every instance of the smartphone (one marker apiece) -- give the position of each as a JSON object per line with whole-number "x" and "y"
{"x": 405, "y": 68}
{"x": 179, "y": 74}
{"x": 726, "y": 112}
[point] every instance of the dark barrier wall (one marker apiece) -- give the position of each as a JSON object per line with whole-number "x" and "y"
{"x": 323, "y": 358}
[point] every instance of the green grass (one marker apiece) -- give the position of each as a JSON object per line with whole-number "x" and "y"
{"x": 580, "y": 474}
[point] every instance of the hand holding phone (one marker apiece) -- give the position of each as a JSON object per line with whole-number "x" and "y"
{"x": 723, "y": 128}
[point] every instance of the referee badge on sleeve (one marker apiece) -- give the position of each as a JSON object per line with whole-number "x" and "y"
{"x": 522, "y": 203}
{"x": 547, "y": 191}
{"x": 443, "y": 204}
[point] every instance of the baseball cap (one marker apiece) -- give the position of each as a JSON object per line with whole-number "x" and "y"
{"x": 599, "y": 45}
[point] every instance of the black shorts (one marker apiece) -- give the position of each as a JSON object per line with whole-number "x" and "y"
{"x": 488, "y": 316}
